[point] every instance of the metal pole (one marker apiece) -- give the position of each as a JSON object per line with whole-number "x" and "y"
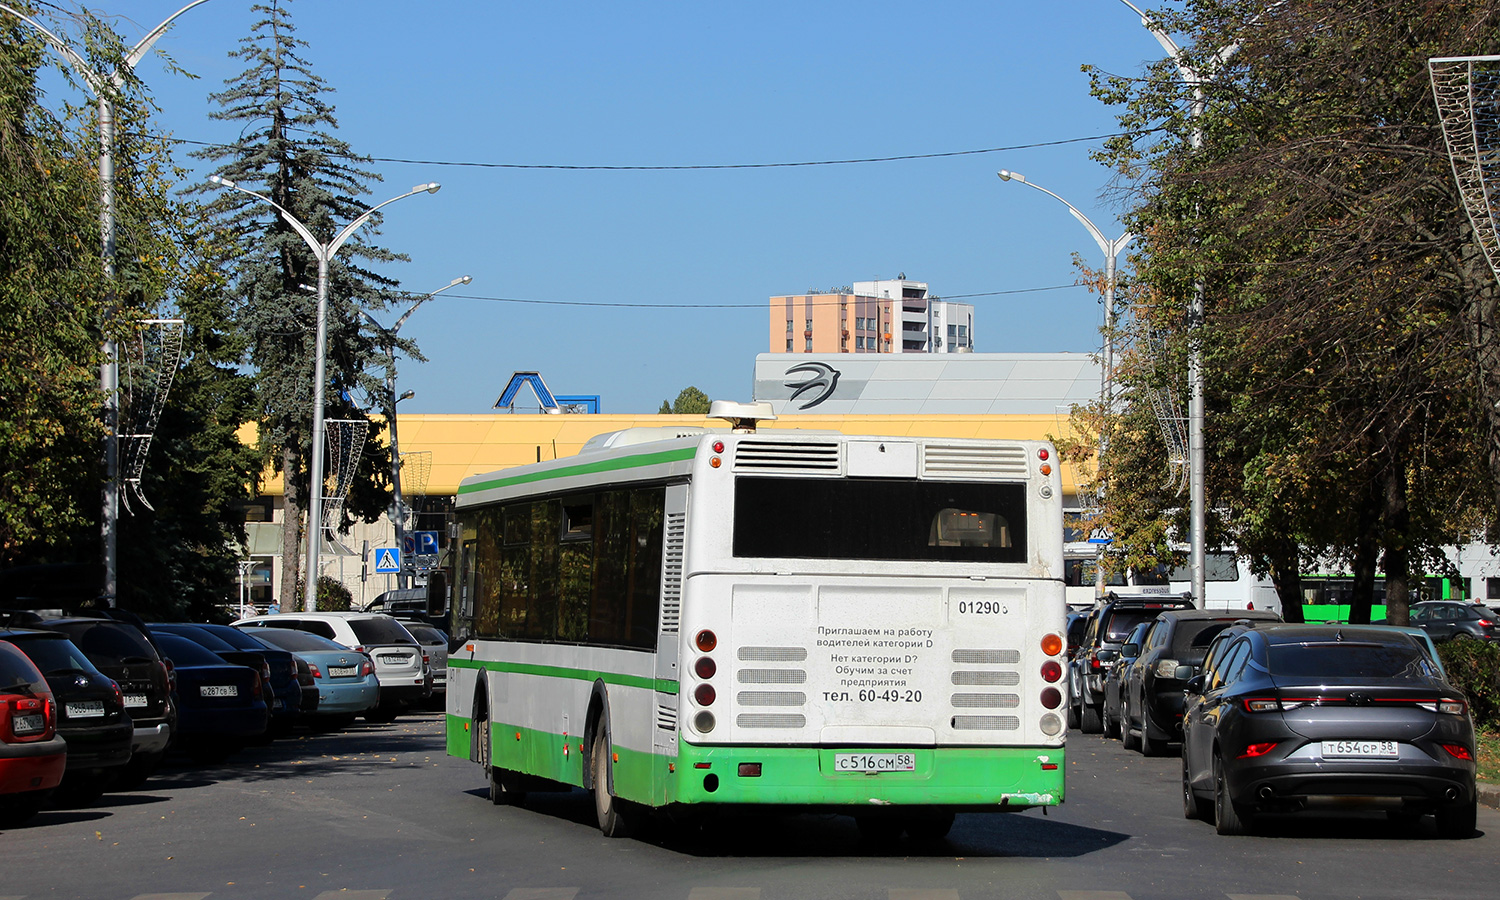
{"x": 399, "y": 504}
{"x": 1112, "y": 250}
{"x": 109, "y": 366}
{"x": 315, "y": 486}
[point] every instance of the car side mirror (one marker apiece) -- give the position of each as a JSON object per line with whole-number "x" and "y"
{"x": 1183, "y": 673}
{"x": 1130, "y": 651}
{"x": 1195, "y": 683}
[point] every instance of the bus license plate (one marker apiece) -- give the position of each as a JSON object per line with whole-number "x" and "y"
{"x": 341, "y": 671}
{"x": 218, "y": 690}
{"x": 874, "y": 762}
{"x": 1360, "y": 749}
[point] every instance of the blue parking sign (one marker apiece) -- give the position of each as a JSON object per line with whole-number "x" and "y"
{"x": 420, "y": 543}
{"x": 387, "y": 560}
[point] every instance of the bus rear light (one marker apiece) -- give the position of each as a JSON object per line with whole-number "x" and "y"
{"x": 714, "y": 462}
{"x": 704, "y": 722}
{"x": 704, "y": 695}
{"x": 1051, "y": 698}
{"x": 1052, "y": 644}
{"x": 1051, "y": 671}
{"x": 749, "y": 770}
{"x": 1042, "y": 453}
{"x": 705, "y": 667}
{"x": 706, "y": 640}
{"x": 1046, "y": 469}
{"x": 718, "y": 446}
{"x": 1051, "y": 724}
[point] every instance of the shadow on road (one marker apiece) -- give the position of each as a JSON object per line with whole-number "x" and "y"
{"x": 762, "y": 835}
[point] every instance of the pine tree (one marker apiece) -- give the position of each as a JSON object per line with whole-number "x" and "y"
{"x": 289, "y": 154}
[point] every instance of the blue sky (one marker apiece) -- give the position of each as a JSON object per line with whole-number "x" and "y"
{"x": 683, "y": 84}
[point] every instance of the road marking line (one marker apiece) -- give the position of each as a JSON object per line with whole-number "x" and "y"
{"x": 724, "y": 893}
{"x": 1261, "y": 897}
{"x": 552, "y": 893}
{"x": 350, "y": 895}
{"x": 158, "y": 897}
{"x": 1093, "y": 895}
{"x": 922, "y": 894}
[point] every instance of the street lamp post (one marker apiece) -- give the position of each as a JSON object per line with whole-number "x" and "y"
{"x": 104, "y": 87}
{"x": 324, "y": 254}
{"x": 398, "y": 518}
{"x": 1111, "y": 250}
{"x": 1195, "y": 79}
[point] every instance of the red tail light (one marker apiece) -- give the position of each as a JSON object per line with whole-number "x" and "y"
{"x": 254, "y": 682}
{"x": 1485, "y": 623}
{"x": 1458, "y": 751}
{"x": 171, "y": 674}
{"x": 367, "y": 668}
{"x": 316, "y": 672}
{"x": 1255, "y": 750}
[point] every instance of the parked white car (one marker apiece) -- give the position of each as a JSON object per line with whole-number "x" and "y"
{"x": 435, "y": 642}
{"x": 400, "y": 662}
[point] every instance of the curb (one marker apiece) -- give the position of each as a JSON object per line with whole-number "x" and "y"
{"x": 1489, "y": 794}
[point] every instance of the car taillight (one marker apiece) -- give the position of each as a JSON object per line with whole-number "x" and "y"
{"x": 316, "y": 672}
{"x": 1451, "y": 707}
{"x": 255, "y": 682}
{"x": 1485, "y": 623}
{"x": 1458, "y": 751}
{"x": 171, "y": 669}
{"x": 119, "y": 694}
{"x": 25, "y": 719}
{"x": 366, "y": 668}
{"x": 291, "y": 667}
{"x": 1262, "y": 704}
{"x": 1255, "y": 750}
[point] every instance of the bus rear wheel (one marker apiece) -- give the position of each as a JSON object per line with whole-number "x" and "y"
{"x": 614, "y": 819}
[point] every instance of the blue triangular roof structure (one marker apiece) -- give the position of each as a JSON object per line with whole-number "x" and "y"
{"x": 508, "y": 396}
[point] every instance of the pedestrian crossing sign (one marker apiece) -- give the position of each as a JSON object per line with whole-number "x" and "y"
{"x": 387, "y": 560}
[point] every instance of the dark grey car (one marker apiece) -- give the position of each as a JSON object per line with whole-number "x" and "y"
{"x": 1284, "y": 717}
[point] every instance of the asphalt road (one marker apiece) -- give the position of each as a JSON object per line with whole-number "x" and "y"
{"x": 380, "y": 813}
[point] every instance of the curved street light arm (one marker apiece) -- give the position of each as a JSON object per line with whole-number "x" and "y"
{"x": 307, "y": 236}
{"x": 1108, "y": 247}
{"x": 89, "y": 76}
{"x": 139, "y": 51}
{"x": 348, "y": 230}
{"x": 462, "y": 279}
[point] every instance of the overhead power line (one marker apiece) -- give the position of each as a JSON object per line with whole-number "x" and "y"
{"x": 759, "y": 306}
{"x": 702, "y": 167}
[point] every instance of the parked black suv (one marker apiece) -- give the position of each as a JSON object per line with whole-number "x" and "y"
{"x": 91, "y": 711}
{"x": 1151, "y": 695}
{"x": 1109, "y": 625}
{"x": 123, "y": 652}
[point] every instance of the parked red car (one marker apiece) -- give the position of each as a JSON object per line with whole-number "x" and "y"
{"x": 32, "y": 754}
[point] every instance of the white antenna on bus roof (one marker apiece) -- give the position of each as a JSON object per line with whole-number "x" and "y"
{"x": 742, "y": 417}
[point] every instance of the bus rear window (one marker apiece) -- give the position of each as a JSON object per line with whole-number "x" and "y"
{"x": 869, "y": 518}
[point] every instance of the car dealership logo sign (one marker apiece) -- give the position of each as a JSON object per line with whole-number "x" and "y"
{"x": 822, "y": 379}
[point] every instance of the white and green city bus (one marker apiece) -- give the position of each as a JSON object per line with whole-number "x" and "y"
{"x": 702, "y": 619}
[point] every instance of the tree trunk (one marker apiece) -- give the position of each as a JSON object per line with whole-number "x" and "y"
{"x": 291, "y": 529}
{"x": 1286, "y": 576}
{"x": 1483, "y": 322}
{"x": 1397, "y": 557}
{"x": 1366, "y": 553}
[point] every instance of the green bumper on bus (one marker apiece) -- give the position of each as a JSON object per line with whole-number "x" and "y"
{"x": 994, "y": 778}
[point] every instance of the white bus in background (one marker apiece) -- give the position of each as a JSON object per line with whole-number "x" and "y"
{"x": 697, "y": 619}
{"x": 1228, "y": 581}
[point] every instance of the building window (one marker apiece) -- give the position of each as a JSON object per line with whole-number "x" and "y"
{"x": 789, "y": 345}
{"x": 808, "y": 348}
{"x": 952, "y": 332}
{"x": 1492, "y": 589}
{"x": 809, "y": 324}
{"x": 788, "y": 326}
{"x": 963, "y": 331}
{"x": 859, "y": 342}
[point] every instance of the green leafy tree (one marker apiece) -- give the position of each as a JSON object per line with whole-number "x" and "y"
{"x": 50, "y": 309}
{"x": 1346, "y": 412}
{"x": 288, "y": 152}
{"x": 690, "y": 402}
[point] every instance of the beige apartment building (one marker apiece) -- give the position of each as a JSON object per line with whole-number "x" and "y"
{"x": 894, "y": 316}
